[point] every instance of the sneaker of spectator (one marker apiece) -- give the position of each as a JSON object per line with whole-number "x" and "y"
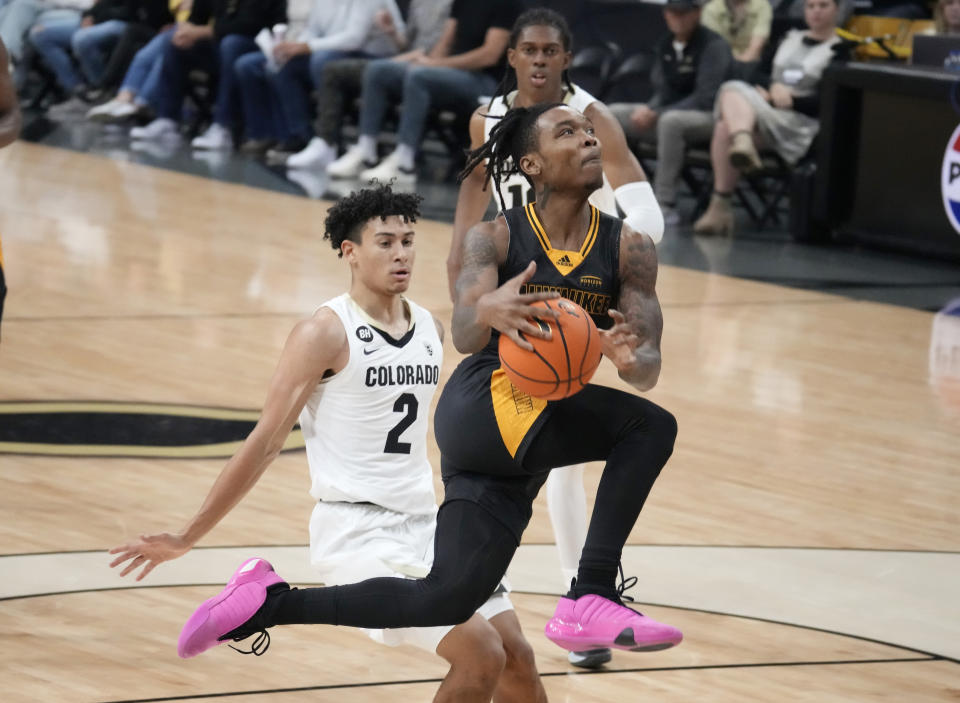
{"x": 115, "y": 110}
{"x": 356, "y": 159}
{"x": 71, "y": 107}
{"x": 160, "y": 128}
{"x": 317, "y": 154}
{"x": 390, "y": 170}
{"x": 217, "y": 137}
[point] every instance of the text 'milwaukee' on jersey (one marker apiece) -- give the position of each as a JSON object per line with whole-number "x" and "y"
{"x": 365, "y": 427}
{"x": 589, "y": 276}
{"x": 516, "y": 189}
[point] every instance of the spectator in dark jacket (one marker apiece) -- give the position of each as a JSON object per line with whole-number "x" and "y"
{"x": 690, "y": 65}
{"x": 218, "y": 33}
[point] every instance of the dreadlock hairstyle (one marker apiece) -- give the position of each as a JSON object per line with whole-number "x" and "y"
{"x": 513, "y": 137}
{"x": 345, "y": 220}
{"x": 536, "y": 17}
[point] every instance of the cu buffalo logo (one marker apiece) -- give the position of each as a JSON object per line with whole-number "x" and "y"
{"x": 950, "y": 180}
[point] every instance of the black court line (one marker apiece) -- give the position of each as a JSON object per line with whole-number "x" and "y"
{"x": 836, "y": 633}
{"x": 758, "y": 546}
{"x": 810, "y": 548}
{"x": 601, "y": 672}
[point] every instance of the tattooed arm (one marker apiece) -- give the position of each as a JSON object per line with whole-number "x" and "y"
{"x": 479, "y": 305}
{"x": 472, "y": 202}
{"x": 633, "y": 343}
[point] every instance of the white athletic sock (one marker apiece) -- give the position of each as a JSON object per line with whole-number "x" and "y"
{"x": 406, "y": 157}
{"x": 567, "y": 504}
{"x": 368, "y": 147}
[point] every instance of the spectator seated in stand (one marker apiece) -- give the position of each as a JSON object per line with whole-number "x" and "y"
{"x": 90, "y": 40}
{"x": 782, "y": 116}
{"x": 139, "y": 87}
{"x": 217, "y": 33}
{"x": 276, "y": 90}
{"x": 466, "y": 63}
{"x": 691, "y": 63}
{"x": 343, "y": 82}
{"x": 745, "y": 25}
{"x": 18, "y": 16}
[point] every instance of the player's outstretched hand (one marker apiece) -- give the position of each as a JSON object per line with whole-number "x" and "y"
{"x": 148, "y": 551}
{"x": 510, "y": 312}
{"x": 619, "y": 343}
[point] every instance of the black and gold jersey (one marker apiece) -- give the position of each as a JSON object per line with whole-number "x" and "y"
{"x": 589, "y": 276}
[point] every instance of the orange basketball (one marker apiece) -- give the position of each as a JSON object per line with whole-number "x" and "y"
{"x": 560, "y": 366}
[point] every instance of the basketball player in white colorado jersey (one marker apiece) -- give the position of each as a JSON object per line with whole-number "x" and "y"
{"x": 538, "y": 55}
{"x": 360, "y": 375}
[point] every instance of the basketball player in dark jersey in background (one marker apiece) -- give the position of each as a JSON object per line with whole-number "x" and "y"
{"x": 9, "y": 129}
{"x": 493, "y": 462}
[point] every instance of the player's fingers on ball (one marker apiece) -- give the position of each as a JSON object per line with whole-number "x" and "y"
{"x": 617, "y": 316}
{"x": 520, "y": 341}
{"x": 537, "y": 297}
{"x": 534, "y": 330}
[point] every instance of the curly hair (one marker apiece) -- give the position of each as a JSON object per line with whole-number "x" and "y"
{"x": 347, "y": 217}
{"x": 512, "y": 138}
{"x": 535, "y": 17}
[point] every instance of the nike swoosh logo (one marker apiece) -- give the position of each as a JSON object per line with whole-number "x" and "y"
{"x": 367, "y": 352}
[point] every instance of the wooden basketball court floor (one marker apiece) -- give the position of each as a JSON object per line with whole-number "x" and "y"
{"x": 804, "y": 536}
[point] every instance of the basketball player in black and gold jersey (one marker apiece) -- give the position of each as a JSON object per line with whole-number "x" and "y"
{"x": 9, "y": 129}
{"x": 498, "y": 446}
{"x": 496, "y": 438}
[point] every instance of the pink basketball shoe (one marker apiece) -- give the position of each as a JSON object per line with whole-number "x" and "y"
{"x": 593, "y": 621}
{"x": 239, "y": 601}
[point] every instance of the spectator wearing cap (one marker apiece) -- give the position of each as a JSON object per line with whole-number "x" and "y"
{"x": 691, "y": 63}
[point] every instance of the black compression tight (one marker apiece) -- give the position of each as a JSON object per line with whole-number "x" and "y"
{"x": 473, "y": 549}
{"x": 471, "y": 555}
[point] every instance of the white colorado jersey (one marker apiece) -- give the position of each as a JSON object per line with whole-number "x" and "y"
{"x": 365, "y": 427}
{"x": 516, "y": 189}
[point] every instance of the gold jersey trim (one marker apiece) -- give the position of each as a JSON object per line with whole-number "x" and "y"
{"x": 564, "y": 260}
{"x": 516, "y": 412}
